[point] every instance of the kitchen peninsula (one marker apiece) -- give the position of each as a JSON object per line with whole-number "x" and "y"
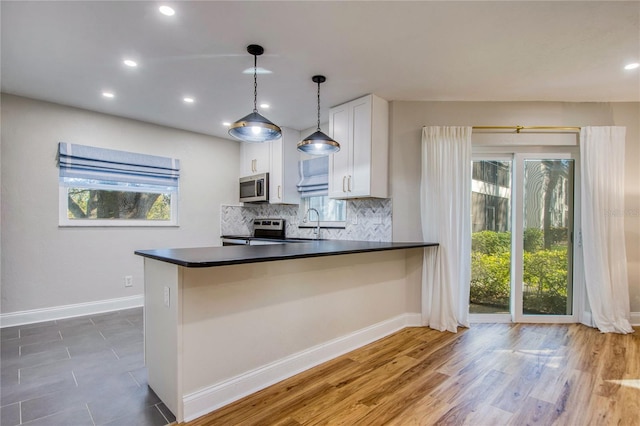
{"x": 224, "y": 322}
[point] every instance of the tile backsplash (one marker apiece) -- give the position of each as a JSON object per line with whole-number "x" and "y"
{"x": 367, "y": 220}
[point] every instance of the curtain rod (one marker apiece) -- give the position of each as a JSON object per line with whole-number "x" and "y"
{"x": 518, "y": 129}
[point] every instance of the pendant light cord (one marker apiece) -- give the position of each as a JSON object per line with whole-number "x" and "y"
{"x": 255, "y": 83}
{"x": 318, "y": 106}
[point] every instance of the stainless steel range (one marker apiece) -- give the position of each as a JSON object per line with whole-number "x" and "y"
{"x": 265, "y": 231}
{"x": 269, "y": 228}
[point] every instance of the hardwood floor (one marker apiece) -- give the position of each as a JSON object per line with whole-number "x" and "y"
{"x": 490, "y": 374}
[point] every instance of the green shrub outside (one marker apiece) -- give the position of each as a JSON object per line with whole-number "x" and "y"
{"x": 490, "y": 282}
{"x": 490, "y": 242}
{"x": 545, "y": 271}
{"x": 533, "y": 239}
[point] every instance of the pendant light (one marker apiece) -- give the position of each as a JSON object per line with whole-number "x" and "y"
{"x": 254, "y": 127}
{"x": 318, "y": 143}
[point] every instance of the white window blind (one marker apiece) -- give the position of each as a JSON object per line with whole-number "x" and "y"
{"x": 100, "y": 164}
{"x": 314, "y": 177}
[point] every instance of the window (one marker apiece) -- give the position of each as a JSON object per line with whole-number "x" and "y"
{"x": 493, "y": 172}
{"x": 101, "y": 187}
{"x": 333, "y": 213}
{"x": 314, "y": 189}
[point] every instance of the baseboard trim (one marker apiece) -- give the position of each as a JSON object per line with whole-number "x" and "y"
{"x": 68, "y": 311}
{"x": 199, "y": 403}
{"x": 635, "y": 318}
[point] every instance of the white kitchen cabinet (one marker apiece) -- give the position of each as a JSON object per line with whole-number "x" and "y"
{"x": 360, "y": 168}
{"x": 279, "y": 158}
{"x": 255, "y": 158}
{"x": 283, "y": 175}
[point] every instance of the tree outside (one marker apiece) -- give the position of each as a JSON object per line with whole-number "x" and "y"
{"x": 84, "y": 203}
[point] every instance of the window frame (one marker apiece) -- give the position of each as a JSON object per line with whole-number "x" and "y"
{"x": 304, "y": 222}
{"x": 63, "y": 208}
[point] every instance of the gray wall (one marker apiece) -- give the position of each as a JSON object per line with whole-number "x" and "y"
{"x": 44, "y": 265}
{"x": 408, "y": 118}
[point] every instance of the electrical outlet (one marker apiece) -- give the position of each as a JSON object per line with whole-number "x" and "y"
{"x": 354, "y": 219}
{"x": 128, "y": 281}
{"x": 167, "y": 297}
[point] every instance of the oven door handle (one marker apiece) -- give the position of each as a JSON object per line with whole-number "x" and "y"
{"x": 235, "y": 242}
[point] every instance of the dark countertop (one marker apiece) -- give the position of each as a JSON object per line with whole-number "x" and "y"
{"x": 203, "y": 257}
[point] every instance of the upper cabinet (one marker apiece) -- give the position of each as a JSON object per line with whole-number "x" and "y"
{"x": 360, "y": 168}
{"x": 283, "y": 176}
{"x": 255, "y": 158}
{"x": 279, "y": 158}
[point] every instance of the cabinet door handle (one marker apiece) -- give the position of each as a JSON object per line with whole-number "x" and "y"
{"x": 343, "y": 179}
{"x": 279, "y": 196}
{"x": 253, "y": 165}
{"x": 349, "y": 185}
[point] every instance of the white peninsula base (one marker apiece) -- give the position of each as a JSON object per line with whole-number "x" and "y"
{"x": 216, "y": 334}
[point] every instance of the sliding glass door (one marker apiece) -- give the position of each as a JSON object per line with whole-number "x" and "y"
{"x": 491, "y": 199}
{"x": 522, "y": 241}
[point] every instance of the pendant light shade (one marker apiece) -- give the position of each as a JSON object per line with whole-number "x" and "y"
{"x": 318, "y": 143}
{"x": 254, "y": 127}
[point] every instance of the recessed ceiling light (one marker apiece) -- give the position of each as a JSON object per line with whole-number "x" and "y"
{"x": 130, "y": 63}
{"x": 166, "y": 10}
{"x": 632, "y": 66}
{"x": 108, "y": 94}
{"x": 226, "y": 123}
{"x": 258, "y": 71}
{"x": 265, "y": 106}
{"x": 188, "y": 99}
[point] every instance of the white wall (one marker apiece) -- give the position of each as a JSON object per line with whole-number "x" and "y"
{"x": 408, "y": 118}
{"x": 44, "y": 265}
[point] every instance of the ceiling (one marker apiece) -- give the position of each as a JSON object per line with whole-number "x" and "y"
{"x": 68, "y": 52}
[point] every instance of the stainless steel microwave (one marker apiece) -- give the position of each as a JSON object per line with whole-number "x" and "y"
{"x": 254, "y": 189}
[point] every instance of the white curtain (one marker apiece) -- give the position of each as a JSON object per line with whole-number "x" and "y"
{"x": 446, "y": 219}
{"x": 603, "y": 239}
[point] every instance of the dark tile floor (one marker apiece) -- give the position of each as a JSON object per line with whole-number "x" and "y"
{"x": 78, "y": 371}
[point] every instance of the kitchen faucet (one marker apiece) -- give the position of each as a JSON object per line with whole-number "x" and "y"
{"x": 317, "y": 230}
